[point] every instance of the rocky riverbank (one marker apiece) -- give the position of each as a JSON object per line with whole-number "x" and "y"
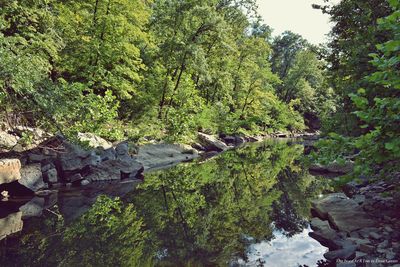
{"x": 360, "y": 226}
{"x": 51, "y": 162}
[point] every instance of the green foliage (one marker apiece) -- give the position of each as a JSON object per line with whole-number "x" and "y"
{"x": 377, "y": 107}
{"x": 120, "y": 68}
{"x": 108, "y": 234}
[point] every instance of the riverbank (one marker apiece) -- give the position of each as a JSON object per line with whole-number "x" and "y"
{"x": 51, "y": 162}
{"x": 361, "y": 225}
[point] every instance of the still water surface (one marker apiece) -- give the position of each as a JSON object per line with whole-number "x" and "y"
{"x": 245, "y": 207}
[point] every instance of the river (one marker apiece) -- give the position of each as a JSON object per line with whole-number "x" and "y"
{"x": 246, "y": 207}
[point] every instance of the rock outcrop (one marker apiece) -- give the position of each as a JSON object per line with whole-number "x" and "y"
{"x": 364, "y": 225}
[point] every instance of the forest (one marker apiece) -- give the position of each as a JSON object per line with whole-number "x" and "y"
{"x": 165, "y": 69}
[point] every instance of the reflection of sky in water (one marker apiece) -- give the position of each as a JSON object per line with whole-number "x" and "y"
{"x": 298, "y": 250}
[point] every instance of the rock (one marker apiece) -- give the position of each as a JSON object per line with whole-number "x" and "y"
{"x": 375, "y": 235}
{"x": 359, "y": 199}
{"x": 360, "y": 254}
{"x": 51, "y": 176}
{"x": 107, "y": 154}
{"x": 33, "y": 208}
{"x": 48, "y": 166}
{"x": 94, "y": 140}
{"x": 4, "y": 194}
{"x": 11, "y": 224}
{"x": 343, "y": 213}
{"x": 114, "y": 170}
{"x": 7, "y": 141}
{"x": 36, "y": 158}
{"x": 384, "y": 244}
{"x": 186, "y": 149}
{"x": 31, "y": 177}
{"x": 346, "y": 253}
{"x": 359, "y": 241}
{"x": 85, "y": 182}
{"x": 157, "y": 156}
{"x": 366, "y": 248}
{"x": 212, "y": 143}
{"x": 122, "y": 149}
{"x": 9, "y": 170}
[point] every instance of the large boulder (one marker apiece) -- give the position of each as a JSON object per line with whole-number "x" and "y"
{"x": 157, "y": 156}
{"x": 9, "y": 170}
{"x": 343, "y": 213}
{"x": 211, "y": 143}
{"x": 94, "y": 140}
{"x": 31, "y": 177}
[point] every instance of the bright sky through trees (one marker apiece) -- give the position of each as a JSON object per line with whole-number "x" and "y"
{"x": 297, "y": 16}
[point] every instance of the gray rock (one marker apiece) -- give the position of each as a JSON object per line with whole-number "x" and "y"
{"x": 7, "y": 141}
{"x": 94, "y": 140}
{"x": 36, "y": 158}
{"x": 359, "y": 199}
{"x": 384, "y": 244}
{"x": 360, "y": 254}
{"x": 114, "y": 170}
{"x": 85, "y": 182}
{"x": 211, "y": 142}
{"x": 375, "y": 235}
{"x": 51, "y": 176}
{"x": 9, "y": 170}
{"x": 31, "y": 177}
{"x": 107, "y": 154}
{"x": 346, "y": 253}
{"x": 10, "y": 224}
{"x": 122, "y": 148}
{"x": 33, "y": 208}
{"x": 160, "y": 156}
{"x": 344, "y": 213}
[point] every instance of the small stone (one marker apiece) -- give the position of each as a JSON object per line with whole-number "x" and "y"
{"x": 84, "y": 182}
{"x": 4, "y": 194}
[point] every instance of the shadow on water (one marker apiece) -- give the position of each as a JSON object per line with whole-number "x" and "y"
{"x": 245, "y": 207}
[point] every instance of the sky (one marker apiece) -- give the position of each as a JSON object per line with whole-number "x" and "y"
{"x": 297, "y": 16}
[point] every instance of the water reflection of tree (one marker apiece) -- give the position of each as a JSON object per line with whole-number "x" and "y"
{"x": 202, "y": 214}
{"x": 195, "y": 214}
